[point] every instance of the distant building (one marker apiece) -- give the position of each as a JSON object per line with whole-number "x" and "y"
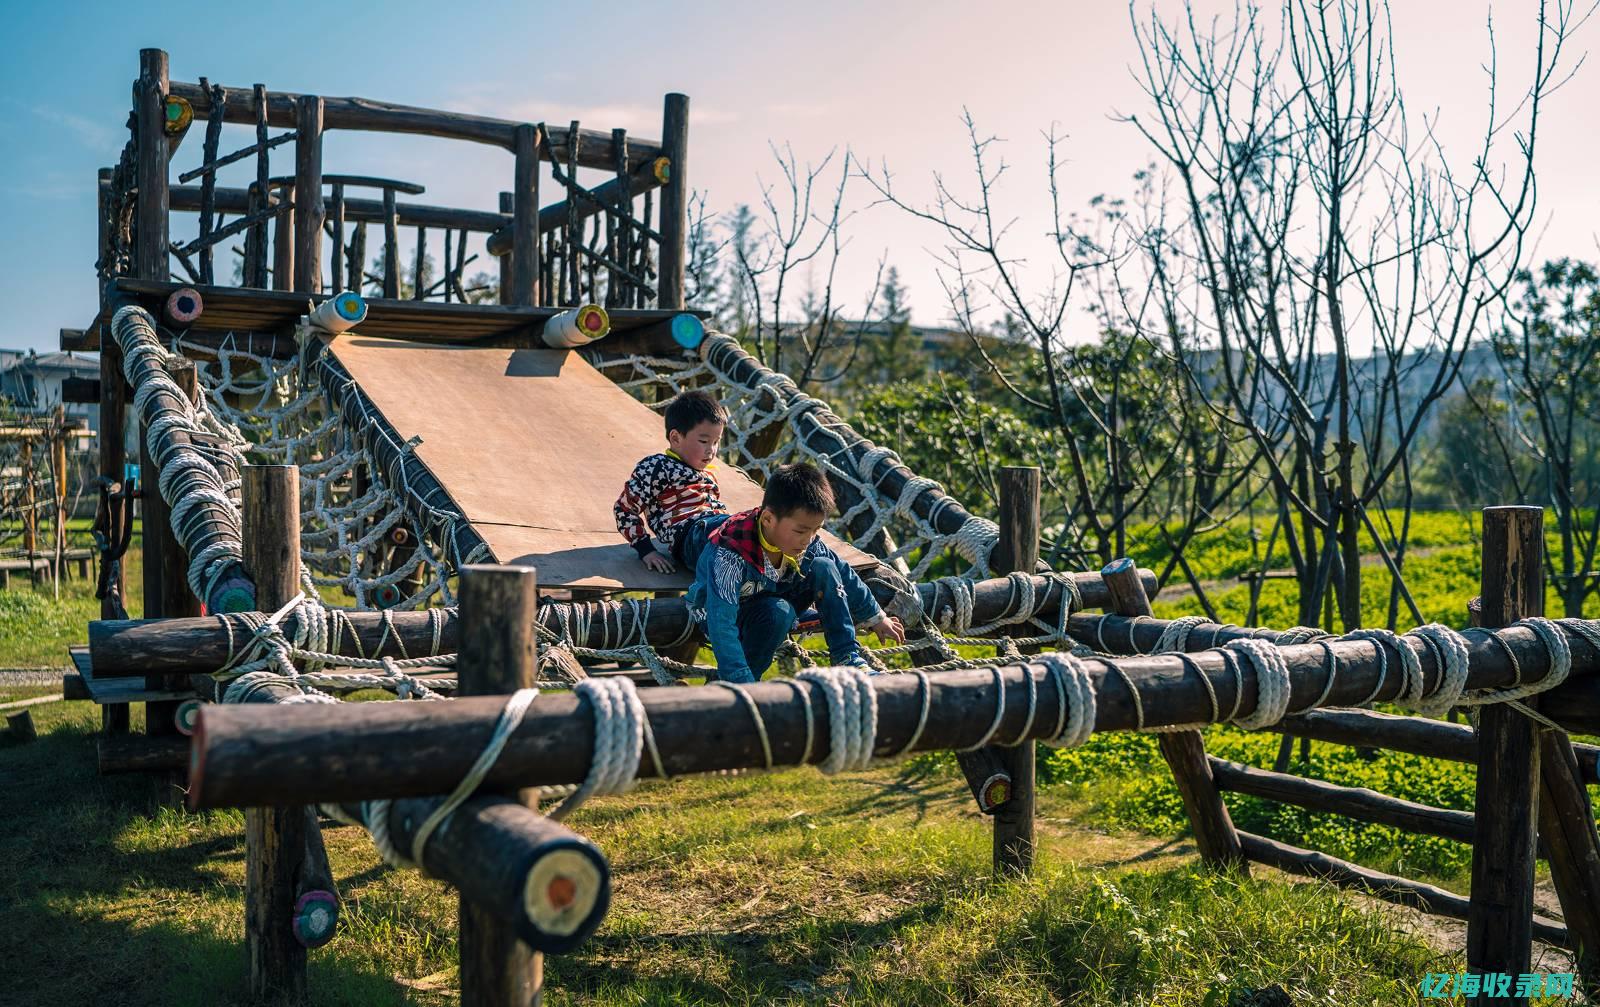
{"x": 32, "y": 381}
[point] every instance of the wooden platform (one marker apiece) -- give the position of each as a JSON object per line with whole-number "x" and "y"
{"x": 533, "y": 447}
{"x": 242, "y": 310}
{"x": 120, "y": 690}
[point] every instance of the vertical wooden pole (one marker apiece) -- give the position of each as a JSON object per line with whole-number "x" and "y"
{"x": 110, "y": 433}
{"x": 674, "y": 201}
{"x": 255, "y": 242}
{"x": 1017, "y": 550}
{"x": 525, "y": 217}
{"x": 1567, "y": 825}
{"x": 275, "y": 838}
{"x": 336, "y": 263}
{"x": 150, "y": 171}
{"x": 418, "y": 279}
{"x": 391, "y": 246}
{"x": 309, "y": 212}
{"x": 58, "y": 469}
{"x": 1185, "y": 751}
{"x": 507, "y": 261}
{"x": 283, "y": 241}
{"x": 1500, "y": 917}
{"x": 498, "y": 606}
{"x": 30, "y": 514}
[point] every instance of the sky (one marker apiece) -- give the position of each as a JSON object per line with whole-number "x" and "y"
{"x": 887, "y": 81}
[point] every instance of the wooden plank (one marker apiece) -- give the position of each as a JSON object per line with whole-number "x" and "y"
{"x": 1499, "y": 924}
{"x": 498, "y": 656}
{"x": 526, "y": 411}
{"x": 388, "y": 117}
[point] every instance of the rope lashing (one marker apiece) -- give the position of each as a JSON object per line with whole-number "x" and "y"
{"x": 1411, "y": 666}
{"x": 1560, "y": 652}
{"x": 1451, "y": 648}
{"x": 1075, "y": 721}
{"x": 620, "y": 725}
{"x": 377, "y": 812}
{"x": 1272, "y": 683}
{"x": 1175, "y": 635}
{"x": 852, "y": 716}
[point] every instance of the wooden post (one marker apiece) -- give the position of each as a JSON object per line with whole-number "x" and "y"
{"x": 418, "y": 280}
{"x": 1500, "y": 920}
{"x": 674, "y": 201}
{"x": 391, "y": 246}
{"x": 1017, "y": 549}
{"x": 336, "y": 263}
{"x": 308, "y": 208}
{"x": 1185, "y": 751}
{"x": 30, "y": 515}
{"x": 255, "y": 242}
{"x": 525, "y": 218}
{"x": 150, "y": 171}
{"x": 276, "y": 837}
{"x": 283, "y": 241}
{"x": 1567, "y": 826}
{"x": 21, "y": 726}
{"x": 498, "y": 607}
{"x": 507, "y": 205}
{"x": 113, "y": 459}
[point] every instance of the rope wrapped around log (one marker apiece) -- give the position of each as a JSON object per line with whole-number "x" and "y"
{"x": 390, "y": 750}
{"x": 190, "y": 463}
{"x": 122, "y": 648}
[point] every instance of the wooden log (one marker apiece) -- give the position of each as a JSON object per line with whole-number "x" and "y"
{"x": 336, "y": 262}
{"x": 1567, "y": 831}
{"x": 309, "y": 211}
{"x": 674, "y": 201}
{"x": 260, "y": 193}
{"x": 988, "y": 776}
{"x": 1388, "y": 887}
{"x": 551, "y": 885}
{"x": 556, "y": 215}
{"x": 391, "y": 246}
{"x": 1017, "y": 549}
{"x": 150, "y": 166}
{"x": 388, "y": 117}
{"x": 1499, "y": 923}
{"x": 73, "y": 687}
{"x": 1359, "y": 803}
{"x": 499, "y": 655}
{"x": 113, "y": 717}
{"x": 283, "y": 242}
{"x": 1416, "y": 735}
{"x": 135, "y": 754}
{"x": 20, "y": 725}
{"x": 504, "y": 262}
{"x": 119, "y": 648}
{"x": 186, "y": 198}
{"x": 1185, "y": 751}
{"x": 276, "y": 835}
{"x": 525, "y": 270}
{"x": 394, "y": 750}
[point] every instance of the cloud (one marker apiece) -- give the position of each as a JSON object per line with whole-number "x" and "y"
{"x": 800, "y": 109}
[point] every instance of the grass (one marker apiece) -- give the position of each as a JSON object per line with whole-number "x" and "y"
{"x": 790, "y": 888}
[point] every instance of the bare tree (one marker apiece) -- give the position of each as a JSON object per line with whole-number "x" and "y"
{"x": 1311, "y": 222}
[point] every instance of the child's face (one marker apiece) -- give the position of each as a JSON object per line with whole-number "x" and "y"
{"x": 697, "y": 446}
{"x": 793, "y": 532}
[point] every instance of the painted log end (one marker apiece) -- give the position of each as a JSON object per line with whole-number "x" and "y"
{"x": 316, "y": 918}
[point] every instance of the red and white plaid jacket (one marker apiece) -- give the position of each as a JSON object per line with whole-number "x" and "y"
{"x": 661, "y": 497}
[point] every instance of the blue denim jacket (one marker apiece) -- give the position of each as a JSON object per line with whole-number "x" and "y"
{"x": 723, "y": 580}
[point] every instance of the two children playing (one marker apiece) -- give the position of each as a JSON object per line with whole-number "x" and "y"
{"x": 754, "y": 572}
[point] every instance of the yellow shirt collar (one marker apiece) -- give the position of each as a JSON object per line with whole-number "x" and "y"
{"x": 675, "y": 454}
{"x": 766, "y": 546}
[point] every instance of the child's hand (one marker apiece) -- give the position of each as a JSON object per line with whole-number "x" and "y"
{"x": 888, "y": 628}
{"x": 659, "y": 563}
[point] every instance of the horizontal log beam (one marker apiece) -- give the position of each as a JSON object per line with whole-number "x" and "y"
{"x": 187, "y": 198}
{"x": 551, "y": 884}
{"x": 1405, "y": 892}
{"x": 558, "y": 215}
{"x": 1360, "y": 803}
{"x": 321, "y": 753}
{"x": 594, "y": 150}
{"x": 1415, "y": 735}
{"x": 122, "y": 648}
{"x": 1575, "y": 704}
{"x": 140, "y": 753}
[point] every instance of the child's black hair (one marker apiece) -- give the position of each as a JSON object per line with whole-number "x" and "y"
{"x": 688, "y": 410}
{"x": 797, "y": 487}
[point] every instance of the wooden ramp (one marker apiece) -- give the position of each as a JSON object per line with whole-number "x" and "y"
{"x": 533, "y": 447}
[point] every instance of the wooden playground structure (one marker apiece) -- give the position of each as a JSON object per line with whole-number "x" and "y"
{"x": 373, "y": 489}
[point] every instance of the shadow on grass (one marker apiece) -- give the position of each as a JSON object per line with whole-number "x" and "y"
{"x": 102, "y": 904}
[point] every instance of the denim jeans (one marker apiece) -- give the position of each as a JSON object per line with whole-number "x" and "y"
{"x": 764, "y": 623}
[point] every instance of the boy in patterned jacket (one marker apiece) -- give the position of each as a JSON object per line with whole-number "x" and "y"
{"x": 670, "y": 492}
{"x": 755, "y": 571}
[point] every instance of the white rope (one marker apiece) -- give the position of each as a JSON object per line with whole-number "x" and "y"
{"x": 1452, "y": 649}
{"x": 1272, "y": 683}
{"x": 1076, "y": 719}
{"x": 1411, "y": 666}
{"x": 852, "y": 715}
{"x": 619, "y": 728}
